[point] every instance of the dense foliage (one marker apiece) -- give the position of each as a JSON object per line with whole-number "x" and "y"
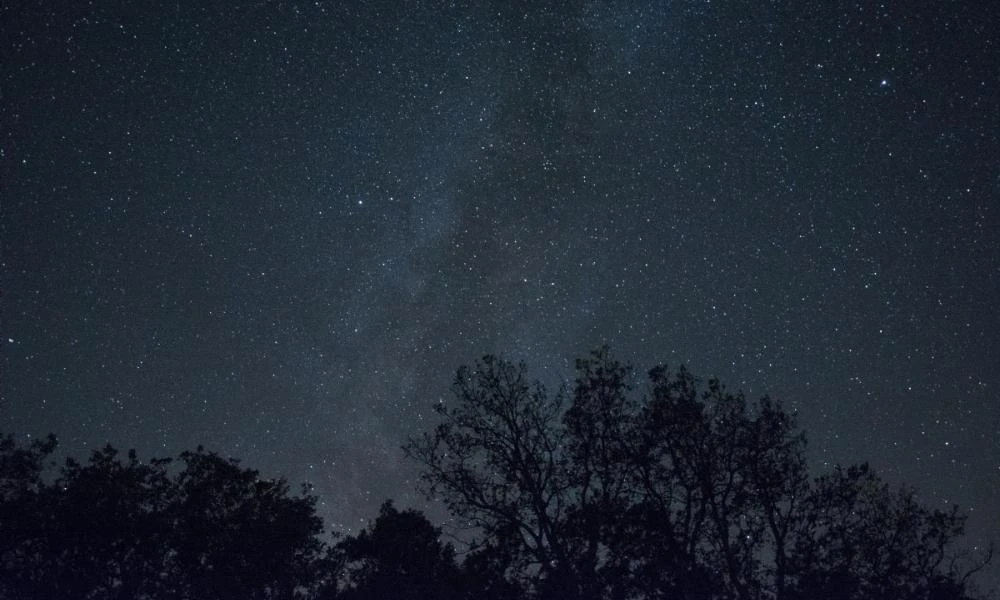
{"x": 117, "y": 528}
{"x": 595, "y": 492}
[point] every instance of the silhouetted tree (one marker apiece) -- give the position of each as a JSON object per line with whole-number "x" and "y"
{"x": 721, "y": 482}
{"x": 398, "y": 557}
{"x": 496, "y": 461}
{"x": 688, "y": 491}
{"x": 21, "y": 468}
{"x": 240, "y": 536}
{"x": 863, "y": 540}
{"x": 21, "y": 486}
{"x": 116, "y": 528}
{"x": 598, "y": 458}
{"x": 487, "y": 571}
{"x": 679, "y": 489}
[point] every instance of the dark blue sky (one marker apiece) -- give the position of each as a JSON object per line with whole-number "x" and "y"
{"x": 276, "y": 229}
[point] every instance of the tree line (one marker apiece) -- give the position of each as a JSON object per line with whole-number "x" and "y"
{"x": 601, "y": 490}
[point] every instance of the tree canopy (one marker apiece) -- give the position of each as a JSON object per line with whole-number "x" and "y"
{"x": 114, "y": 528}
{"x": 686, "y": 490}
{"x": 614, "y": 487}
{"x": 398, "y": 557}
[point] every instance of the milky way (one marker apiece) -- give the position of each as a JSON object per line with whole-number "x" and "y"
{"x": 276, "y": 229}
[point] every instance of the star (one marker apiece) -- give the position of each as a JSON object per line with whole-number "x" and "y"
{"x": 719, "y": 211}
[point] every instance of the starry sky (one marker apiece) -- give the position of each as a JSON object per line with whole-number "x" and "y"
{"x": 276, "y": 228}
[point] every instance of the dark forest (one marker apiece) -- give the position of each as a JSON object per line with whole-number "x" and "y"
{"x": 612, "y": 487}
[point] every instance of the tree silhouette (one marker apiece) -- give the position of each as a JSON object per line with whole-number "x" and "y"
{"x": 21, "y": 468}
{"x": 21, "y": 486}
{"x": 241, "y": 536}
{"x": 863, "y": 540}
{"x": 689, "y": 491}
{"x": 116, "y": 528}
{"x": 613, "y": 488}
{"x": 495, "y": 461}
{"x": 399, "y": 557}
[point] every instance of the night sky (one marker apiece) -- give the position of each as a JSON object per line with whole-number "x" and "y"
{"x": 277, "y": 228}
